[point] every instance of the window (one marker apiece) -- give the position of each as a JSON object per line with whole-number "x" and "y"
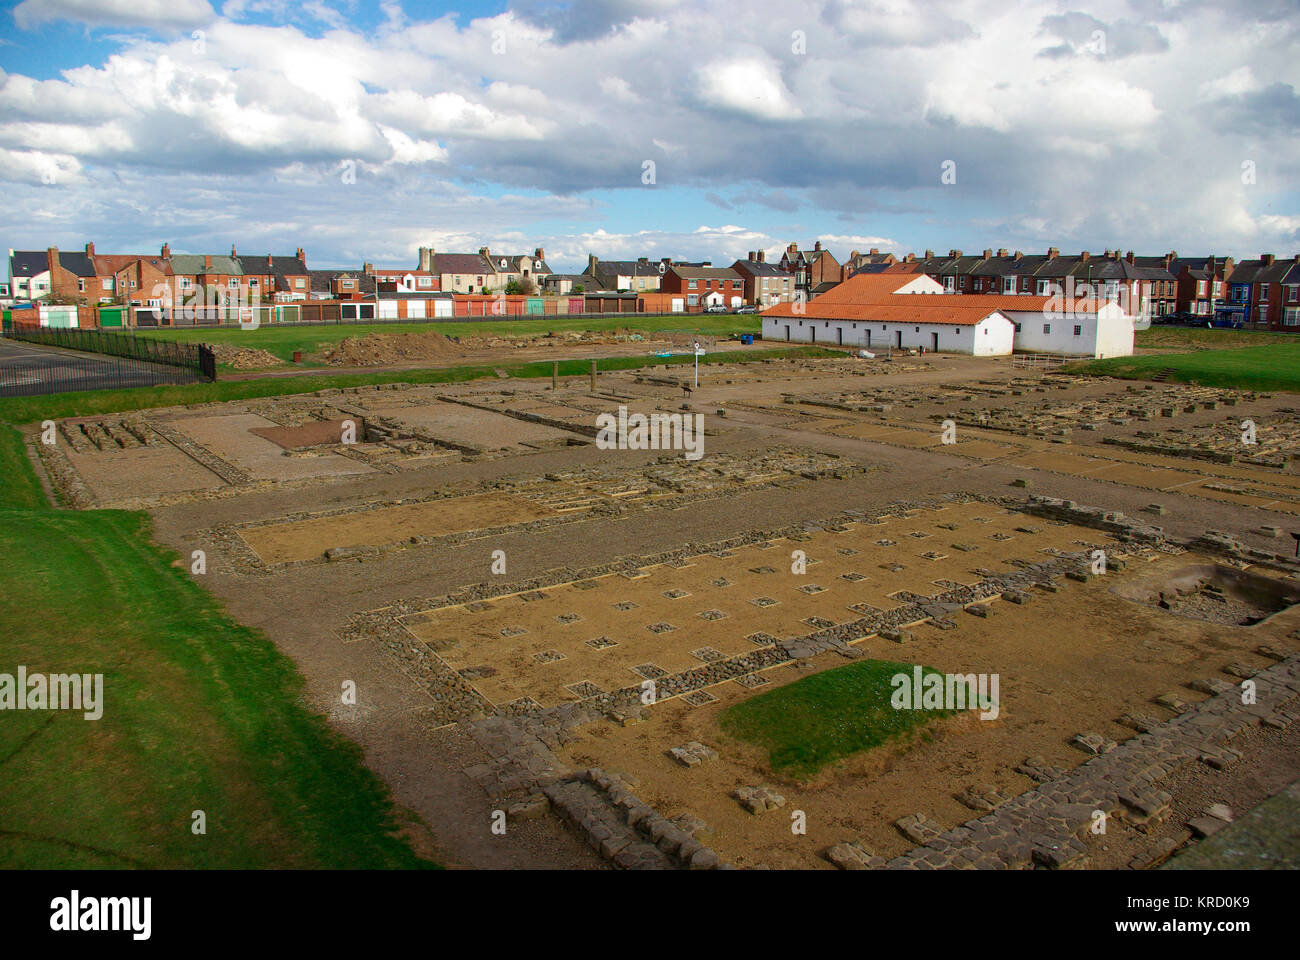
{"x": 1044, "y": 288}
{"x": 107, "y": 284}
{"x": 1200, "y": 288}
{"x": 1008, "y": 284}
{"x": 299, "y": 283}
{"x": 232, "y": 282}
{"x": 252, "y": 282}
{"x": 1293, "y": 292}
{"x": 1047, "y": 328}
{"x": 1017, "y": 328}
{"x": 1291, "y": 316}
{"x": 692, "y": 284}
{"x": 1078, "y": 330}
{"x": 693, "y": 299}
{"x": 1263, "y": 313}
{"x": 81, "y": 285}
{"x": 1263, "y": 291}
{"x": 425, "y": 281}
{"x": 949, "y": 284}
{"x": 1218, "y": 288}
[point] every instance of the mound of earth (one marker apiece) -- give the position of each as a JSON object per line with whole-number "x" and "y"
{"x": 243, "y": 358}
{"x": 380, "y": 349}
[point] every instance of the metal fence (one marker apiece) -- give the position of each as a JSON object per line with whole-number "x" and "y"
{"x": 104, "y": 361}
{"x": 154, "y": 318}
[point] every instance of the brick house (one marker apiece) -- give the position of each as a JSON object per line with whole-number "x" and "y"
{"x": 704, "y": 286}
{"x": 1265, "y": 293}
{"x": 811, "y": 268}
{"x": 1202, "y": 284}
{"x": 642, "y": 275}
{"x": 764, "y": 283}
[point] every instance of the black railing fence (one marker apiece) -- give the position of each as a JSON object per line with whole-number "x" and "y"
{"x": 119, "y": 360}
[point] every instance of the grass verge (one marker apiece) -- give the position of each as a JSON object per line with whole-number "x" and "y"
{"x": 199, "y": 713}
{"x": 284, "y": 340}
{"x": 822, "y": 718}
{"x": 92, "y": 402}
{"x": 1275, "y": 366}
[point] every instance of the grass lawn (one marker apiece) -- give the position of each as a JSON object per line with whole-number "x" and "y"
{"x": 284, "y": 340}
{"x": 87, "y": 403}
{"x": 825, "y": 717}
{"x": 199, "y": 713}
{"x": 1275, "y": 366}
{"x": 1201, "y": 338}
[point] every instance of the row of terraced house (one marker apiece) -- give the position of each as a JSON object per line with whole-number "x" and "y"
{"x": 1262, "y": 293}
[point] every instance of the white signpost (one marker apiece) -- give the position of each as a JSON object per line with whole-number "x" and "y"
{"x": 699, "y": 352}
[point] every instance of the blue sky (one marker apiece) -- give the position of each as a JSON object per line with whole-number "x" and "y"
{"x": 364, "y": 130}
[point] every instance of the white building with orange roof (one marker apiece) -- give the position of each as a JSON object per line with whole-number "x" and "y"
{"x": 905, "y": 311}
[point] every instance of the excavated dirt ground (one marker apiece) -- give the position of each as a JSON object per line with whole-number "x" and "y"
{"x": 435, "y": 489}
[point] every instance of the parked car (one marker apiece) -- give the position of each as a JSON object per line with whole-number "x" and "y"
{"x": 715, "y": 308}
{"x": 749, "y": 308}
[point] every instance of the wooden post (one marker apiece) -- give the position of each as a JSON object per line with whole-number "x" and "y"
{"x": 593, "y": 376}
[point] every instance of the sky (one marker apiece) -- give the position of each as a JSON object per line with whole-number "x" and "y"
{"x": 695, "y": 129}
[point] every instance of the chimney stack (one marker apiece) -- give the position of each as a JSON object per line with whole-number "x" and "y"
{"x": 1002, "y": 252}
{"x": 929, "y": 254}
{"x": 591, "y": 264}
{"x": 817, "y": 245}
{"x": 233, "y": 254}
{"x": 300, "y": 254}
{"x": 539, "y": 254}
{"x": 1129, "y": 256}
{"x": 1267, "y": 259}
{"x": 166, "y": 251}
{"x": 52, "y": 259}
{"x": 1053, "y": 253}
{"x": 988, "y": 252}
{"x": 874, "y": 251}
{"x": 484, "y": 252}
{"x": 762, "y": 256}
{"x": 207, "y": 261}
{"x": 90, "y": 249}
{"x": 1085, "y": 256}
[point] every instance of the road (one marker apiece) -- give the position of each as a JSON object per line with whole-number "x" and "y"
{"x": 28, "y": 370}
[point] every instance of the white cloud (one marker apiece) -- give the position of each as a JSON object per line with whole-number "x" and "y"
{"x": 156, "y": 14}
{"x": 749, "y": 86}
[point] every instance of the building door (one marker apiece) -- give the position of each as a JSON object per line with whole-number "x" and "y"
{"x": 898, "y": 334}
{"x": 839, "y": 336}
{"x": 934, "y": 342}
{"x": 787, "y": 333}
{"x": 812, "y": 331}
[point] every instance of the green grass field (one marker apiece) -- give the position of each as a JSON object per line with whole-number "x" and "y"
{"x": 1275, "y": 366}
{"x": 1201, "y": 338}
{"x": 59, "y": 405}
{"x": 283, "y": 341}
{"x": 200, "y": 713}
{"x": 826, "y": 717}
